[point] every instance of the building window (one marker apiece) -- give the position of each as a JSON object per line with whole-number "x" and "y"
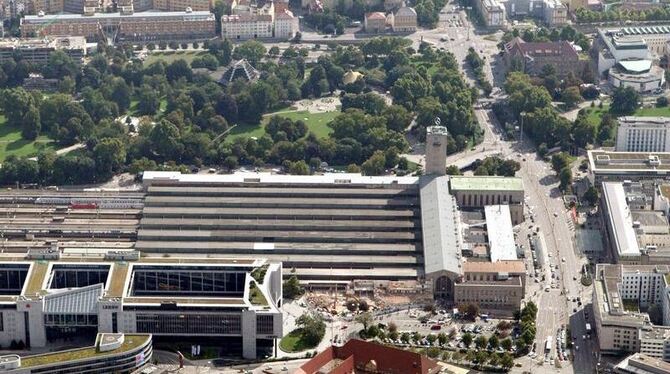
{"x": 264, "y": 324}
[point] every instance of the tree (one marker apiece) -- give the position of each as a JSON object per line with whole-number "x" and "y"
{"x": 560, "y": 161}
{"x": 506, "y": 344}
{"x": 165, "y": 140}
{"x": 148, "y": 102}
{"x": 494, "y": 342}
{"x": 662, "y": 102}
{"x": 274, "y": 51}
{"x": 453, "y": 170}
{"x": 375, "y": 164}
{"x": 364, "y": 319}
{"x": 442, "y": 338}
{"x": 405, "y": 337}
{"x": 506, "y": 361}
{"x": 565, "y": 177}
{"x": 109, "y": 155}
{"x": 59, "y": 65}
{"x": 624, "y": 101}
{"x": 16, "y": 102}
{"x": 30, "y": 128}
{"x": 178, "y": 69}
{"x": 431, "y": 339}
{"x": 571, "y": 96}
{"x": 584, "y": 132}
{"x": 591, "y": 196}
{"x": 466, "y": 339}
{"x": 312, "y": 327}
{"x": 481, "y": 342}
{"x": 292, "y": 288}
{"x": 251, "y": 50}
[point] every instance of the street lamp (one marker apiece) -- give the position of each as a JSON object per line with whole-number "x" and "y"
{"x": 523, "y": 115}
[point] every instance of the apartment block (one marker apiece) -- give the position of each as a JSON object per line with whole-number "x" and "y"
{"x": 246, "y": 26}
{"x": 145, "y": 26}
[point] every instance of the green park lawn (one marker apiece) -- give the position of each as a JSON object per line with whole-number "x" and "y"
{"x": 294, "y": 342}
{"x": 316, "y": 123}
{"x": 595, "y": 114}
{"x": 169, "y": 56}
{"x": 11, "y": 142}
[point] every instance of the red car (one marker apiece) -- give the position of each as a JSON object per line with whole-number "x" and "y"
{"x": 436, "y": 327}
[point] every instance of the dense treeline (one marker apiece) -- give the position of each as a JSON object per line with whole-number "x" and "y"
{"x": 657, "y": 14}
{"x": 182, "y": 117}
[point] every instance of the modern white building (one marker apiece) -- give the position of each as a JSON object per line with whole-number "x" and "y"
{"x": 286, "y": 25}
{"x": 47, "y": 297}
{"x": 640, "y": 75}
{"x": 643, "y": 134}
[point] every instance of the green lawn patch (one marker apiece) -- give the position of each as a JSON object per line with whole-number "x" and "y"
{"x": 11, "y": 142}
{"x": 256, "y": 297}
{"x": 294, "y": 342}
{"x": 316, "y": 123}
{"x": 653, "y": 112}
{"x": 170, "y": 56}
{"x": 594, "y": 115}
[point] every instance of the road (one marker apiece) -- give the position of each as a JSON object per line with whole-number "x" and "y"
{"x": 543, "y": 198}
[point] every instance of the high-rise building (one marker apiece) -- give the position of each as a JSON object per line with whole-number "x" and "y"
{"x": 436, "y": 150}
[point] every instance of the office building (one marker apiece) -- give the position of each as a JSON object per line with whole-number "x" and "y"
{"x": 48, "y": 296}
{"x": 633, "y": 166}
{"x": 436, "y": 150}
{"x": 146, "y": 26}
{"x": 620, "y": 292}
{"x": 111, "y": 353}
{"x": 358, "y": 356}
{"x": 640, "y": 75}
{"x": 534, "y": 56}
{"x": 37, "y": 51}
{"x": 492, "y": 12}
{"x": 551, "y": 12}
{"x": 643, "y": 134}
{"x": 479, "y": 191}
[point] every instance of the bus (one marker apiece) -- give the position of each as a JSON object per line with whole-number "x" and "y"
{"x": 547, "y": 345}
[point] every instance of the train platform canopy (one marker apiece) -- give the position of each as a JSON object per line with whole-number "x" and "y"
{"x": 440, "y": 223}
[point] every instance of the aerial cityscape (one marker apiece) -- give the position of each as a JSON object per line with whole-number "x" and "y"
{"x": 334, "y": 186}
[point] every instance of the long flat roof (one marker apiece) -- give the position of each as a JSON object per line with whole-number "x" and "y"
{"x": 621, "y": 218}
{"x": 649, "y": 163}
{"x": 239, "y": 177}
{"x": 187, "y": 16}
{"x": 440, "y": 227}
{"x": 500, "y": 234}
{"x": 486, "y": 183}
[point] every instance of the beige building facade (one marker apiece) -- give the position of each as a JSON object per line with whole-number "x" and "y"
{"x": 496, "y": 287}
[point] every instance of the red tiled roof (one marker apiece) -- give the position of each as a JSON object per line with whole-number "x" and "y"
{"x": 539, "y": 49}
{"x": 359, "y": 354}
{"x": 375, "y": 15}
